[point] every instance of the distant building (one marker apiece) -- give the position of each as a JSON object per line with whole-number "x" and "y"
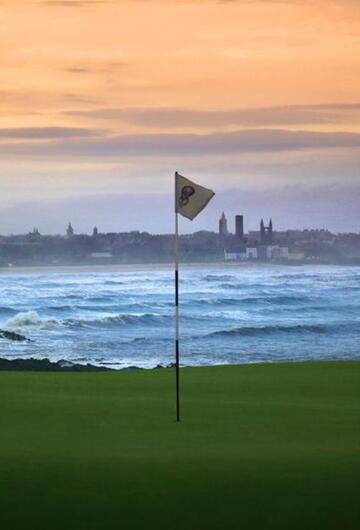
{"x": 266, "y": 233}
{"x": 256, "y": 246}
{"x": 239, "y": 226}
{"x": 34, "y": 235}
{"x": 296, "y": 256}
{"x": 95, "y": 231}
{"x": 70, "y": 231}
{"x": 284, "y": 253}
{"x": 272, "y": 252}
{"x": 263, "y": 252}
{"x": 223, "y": 228}
{"x": 234, "y": 256}
{"x": 251, "y": 253}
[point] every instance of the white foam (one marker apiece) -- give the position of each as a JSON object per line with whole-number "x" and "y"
{"x": 30, "y": 319}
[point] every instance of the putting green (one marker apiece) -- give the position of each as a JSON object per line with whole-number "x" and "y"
{"x": 259, "y": 447}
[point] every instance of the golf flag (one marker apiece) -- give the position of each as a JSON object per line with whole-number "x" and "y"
{"x": 190, "y": 198}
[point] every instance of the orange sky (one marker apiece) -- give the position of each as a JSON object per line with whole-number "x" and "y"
{"x": 80, "y": 80}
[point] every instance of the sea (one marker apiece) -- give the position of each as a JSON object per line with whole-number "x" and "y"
{"x": 123, "y": 316}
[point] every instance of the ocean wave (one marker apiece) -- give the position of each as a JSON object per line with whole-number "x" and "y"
{"x": 213, "y": 301}
{"x": 113, "y": 306}
{"x": 235, "y": 285}
{"x": 278, "y": 299}
{"x": 59, "y": 308}
{"x": 120, "y": 318}
{"x": 218, "y": 277}
{"x": 30, "y": 319}
{"x": 268, "y": 300}
{"x": 266, "y": 330}
{"x": 295, "y": 276}
{"x": 4, "y": 310}
{"x": 145, "y": 340}
{"x": 97, "y": 298}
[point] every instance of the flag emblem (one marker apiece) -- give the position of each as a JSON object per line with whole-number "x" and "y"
{"x": 190, "y": 198}
{"x": 186, "y": 193}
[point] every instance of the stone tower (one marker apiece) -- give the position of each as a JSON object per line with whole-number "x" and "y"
{"x": 239, "y": 226}
{"x": 70, "y": 231}
{"x": 266, "y": 233}
{"x": 223, "y": 229}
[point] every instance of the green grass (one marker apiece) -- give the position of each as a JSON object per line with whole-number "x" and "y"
{"x": 259, "y": 447}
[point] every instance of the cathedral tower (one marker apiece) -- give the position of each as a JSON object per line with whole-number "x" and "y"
{"x": 70, "y": 231}
{"x": 266, "y": 233}
{"x": 223, "y": 229}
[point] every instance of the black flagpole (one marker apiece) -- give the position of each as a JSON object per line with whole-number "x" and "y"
{"x": 177, "y": 330}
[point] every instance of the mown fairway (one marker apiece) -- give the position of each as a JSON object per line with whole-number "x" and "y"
{"x": 259, "y": 447}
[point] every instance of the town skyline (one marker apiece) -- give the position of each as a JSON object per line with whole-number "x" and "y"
{"x": 234, "y": 225}
{"x": 265, "y": 244}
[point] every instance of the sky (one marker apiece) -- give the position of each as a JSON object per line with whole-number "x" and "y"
{"x": 102, "y": 101}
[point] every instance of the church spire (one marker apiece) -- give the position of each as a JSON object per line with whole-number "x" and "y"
{"x": 223, "y": 229}
{"x": 70, "y": 231}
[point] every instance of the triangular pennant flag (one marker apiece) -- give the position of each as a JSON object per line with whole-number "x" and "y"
{"x": 190, "y": 198}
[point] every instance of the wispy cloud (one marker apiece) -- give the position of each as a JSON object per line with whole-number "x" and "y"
{"x": 73, "y": 3}
{"x": 38, "y": 100}
{"x": 247, "y": 141}
{"x": 46, "y": 133}
{"x": 267, "y": 116}
{"x": 87, "y": 3}
{"x": 95, "y": 67}
{"x": 76, "y": 70}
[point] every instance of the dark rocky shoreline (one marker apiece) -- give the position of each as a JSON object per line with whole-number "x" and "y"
{"x": 44, "y": 365}
{"x": 11, "y": 335}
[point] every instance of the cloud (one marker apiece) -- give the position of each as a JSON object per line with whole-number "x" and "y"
{"x": 31, "y": 101}
{"x": 77, "y": 70}
{"x": 155, "y": 145}
{"x": 46, "y": 133}
{"x": 73, "y": 3}
{"x": 95, "y": 67}
{"x": 173, "y": 117}
{"x": 89, "y": 3}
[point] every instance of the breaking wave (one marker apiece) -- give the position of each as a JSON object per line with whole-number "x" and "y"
{"x": 30, "y": 319}
{"x": 121, "y": 318}
{"x": 266, "y": 330}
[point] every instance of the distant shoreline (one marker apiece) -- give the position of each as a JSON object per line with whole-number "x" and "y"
{"x": 165, "y": 265}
